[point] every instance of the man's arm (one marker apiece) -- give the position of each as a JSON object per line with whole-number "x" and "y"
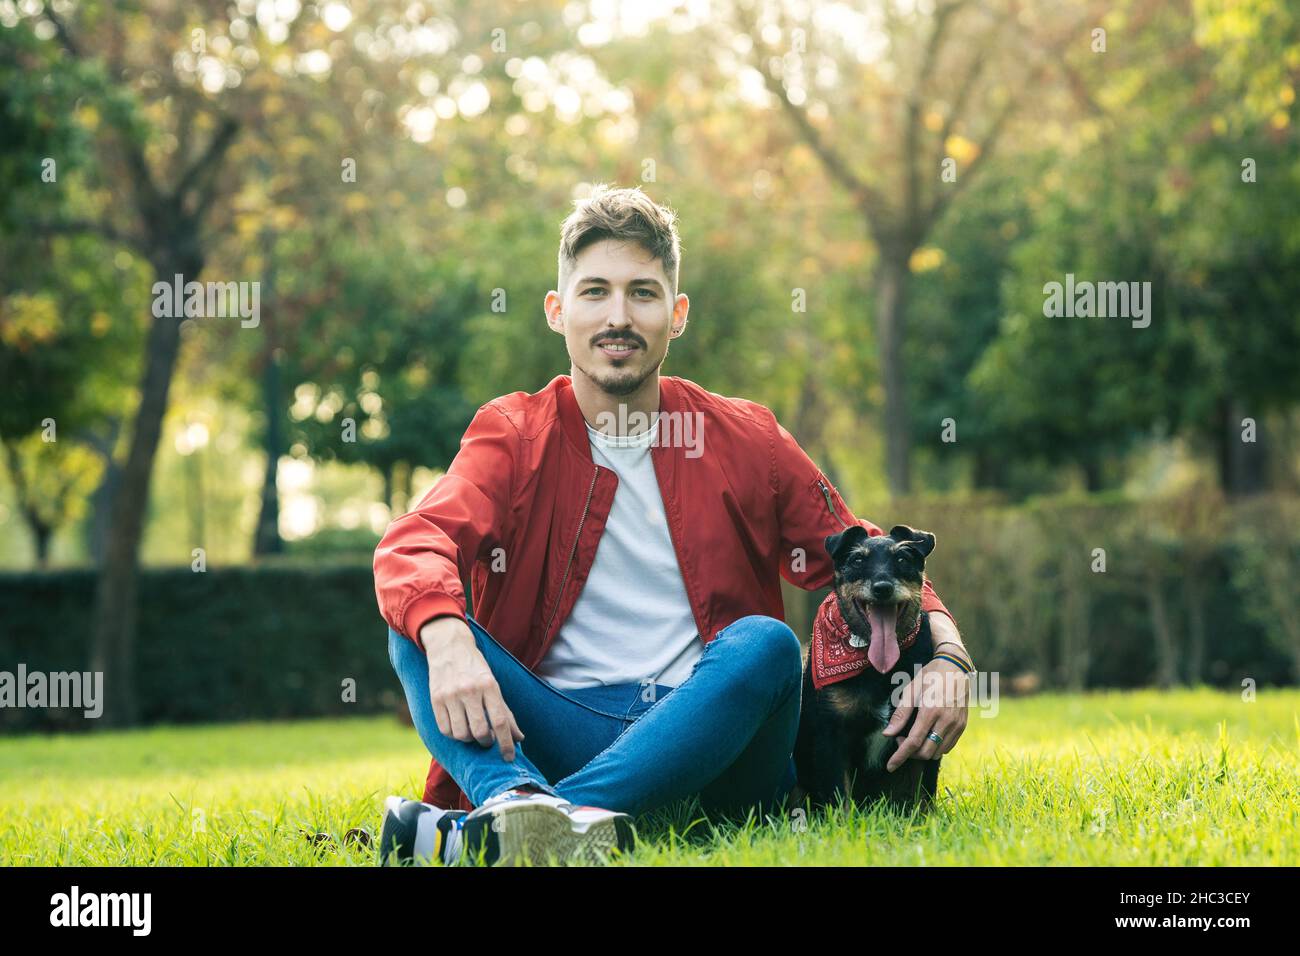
{"x": 809, "y": 510}
{"x": 426, "y": 553}
{"x": 943, "y": 630}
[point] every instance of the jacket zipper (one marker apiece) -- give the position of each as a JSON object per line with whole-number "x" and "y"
{"x": 559, "y": 599}
{"x": 826, "y": 493}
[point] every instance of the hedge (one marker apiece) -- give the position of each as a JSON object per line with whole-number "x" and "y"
{"x": 240, "y": 643}
{"x": 278, "y": 639}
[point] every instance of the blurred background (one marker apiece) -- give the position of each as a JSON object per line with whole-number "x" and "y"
{"x": 872, "y": 197}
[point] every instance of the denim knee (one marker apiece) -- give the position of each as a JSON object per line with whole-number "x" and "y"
{"x": 395, "y": 642}
{"x": 770, "y": 644}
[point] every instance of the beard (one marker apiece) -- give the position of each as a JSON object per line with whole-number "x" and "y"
{"x": 620, "y": 382}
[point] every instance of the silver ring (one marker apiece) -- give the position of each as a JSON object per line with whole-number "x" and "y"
{"x": 935, "y": 737}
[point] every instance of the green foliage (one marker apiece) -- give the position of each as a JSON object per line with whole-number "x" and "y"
{"x": 1029, "y": 599}
{"x": 385, "y": 349}
{"x": 379, "y": 293}
{"x": 37, "y": 101}
{"x": 1147, "y": 186}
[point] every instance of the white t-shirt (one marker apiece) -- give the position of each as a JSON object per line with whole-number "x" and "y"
{"x": 632, "y": 621}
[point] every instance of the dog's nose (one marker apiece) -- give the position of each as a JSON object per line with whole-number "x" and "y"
{"x": 882, "y": 590}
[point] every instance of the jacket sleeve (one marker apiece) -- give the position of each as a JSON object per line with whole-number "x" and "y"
{"x": 809, "y": 510}
{"x": 426, "y": 554}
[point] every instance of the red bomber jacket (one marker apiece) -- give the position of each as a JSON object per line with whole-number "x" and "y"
{"x": 745, "y": 507}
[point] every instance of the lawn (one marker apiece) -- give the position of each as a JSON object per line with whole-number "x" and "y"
{"x": 1155, "y": 779}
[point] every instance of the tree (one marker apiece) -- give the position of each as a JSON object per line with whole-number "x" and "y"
{"x": 63, "y": 316}
{"x": 1155, "y": 188}
{"x": 936, "y": 93}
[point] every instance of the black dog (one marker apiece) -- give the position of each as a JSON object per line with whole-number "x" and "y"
{"x": 839, "y": 749}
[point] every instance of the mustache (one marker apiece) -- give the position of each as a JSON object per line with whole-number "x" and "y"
{"x": 616, "y": 339}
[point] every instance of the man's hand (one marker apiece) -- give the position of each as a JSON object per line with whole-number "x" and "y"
{"x": 939, "y": 693}
{"x": 466, "y": 698}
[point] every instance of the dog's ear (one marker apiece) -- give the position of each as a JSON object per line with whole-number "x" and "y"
{"x": 922, "y": 542}
{"x": 838, "y": 543}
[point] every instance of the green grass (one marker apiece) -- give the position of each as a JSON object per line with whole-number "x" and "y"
{"x": 1175, "y": 779}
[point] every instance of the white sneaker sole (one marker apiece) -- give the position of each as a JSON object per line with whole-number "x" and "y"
{"x": 535, "y": 834}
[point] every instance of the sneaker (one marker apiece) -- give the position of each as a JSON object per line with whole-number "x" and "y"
{"x": 415, "y": 831}
{"x": 520, "y": 826}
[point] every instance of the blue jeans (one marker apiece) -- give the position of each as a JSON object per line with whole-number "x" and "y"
{"x": 726, "y": 733}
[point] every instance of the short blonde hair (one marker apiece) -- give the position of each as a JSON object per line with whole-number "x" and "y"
{"x": 623, "y": 214}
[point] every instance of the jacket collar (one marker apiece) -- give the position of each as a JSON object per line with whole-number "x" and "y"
{"x": 575, "y": 426}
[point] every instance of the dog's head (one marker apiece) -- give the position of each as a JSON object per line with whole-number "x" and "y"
{"x": 878, "y": 583}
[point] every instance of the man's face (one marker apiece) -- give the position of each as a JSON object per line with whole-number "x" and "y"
{"x": 617, "y": 315}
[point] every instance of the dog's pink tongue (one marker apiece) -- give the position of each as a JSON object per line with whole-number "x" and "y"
{"x": 883, "y": 650}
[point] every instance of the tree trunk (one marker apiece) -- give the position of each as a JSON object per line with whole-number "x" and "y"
{"x": 1076, "y": 624}
{"x": 42, "y": 532}
{"x": 1166, "y": 659}
{"x": 1243, "y": 466}
{"x": 101, "y": 501}
{"x": 101, "y": 504}
{"x": 805, "y": 412}
{"x": 113, "y": 640}
{"x": 1092, "y": 474}
{"x": 266, "y": 539}
{"x": 891, "y": 302}
{"x": 811, "y": 415}
{"x": 1195, "y": 662}
{"x": 988, "y": 470}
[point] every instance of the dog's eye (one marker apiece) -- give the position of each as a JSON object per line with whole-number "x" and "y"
{"x": 854, "y": 561}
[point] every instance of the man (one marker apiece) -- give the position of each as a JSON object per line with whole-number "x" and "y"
{"x": 624, "y": 535}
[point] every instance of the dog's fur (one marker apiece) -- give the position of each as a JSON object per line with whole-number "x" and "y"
{"x": 840, "y": 750}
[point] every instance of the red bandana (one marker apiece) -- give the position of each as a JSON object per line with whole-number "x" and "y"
{"x": 833, "y": 658}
